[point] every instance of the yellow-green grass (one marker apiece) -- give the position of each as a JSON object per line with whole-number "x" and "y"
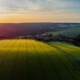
{"x": 69, "y": 48}
{"x": 34, "y": 60}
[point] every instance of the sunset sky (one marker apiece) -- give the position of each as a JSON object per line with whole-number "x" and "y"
{"x": 39, "y": 11}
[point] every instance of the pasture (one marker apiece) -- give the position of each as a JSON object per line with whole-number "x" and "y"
{"x": 33, "y": 60}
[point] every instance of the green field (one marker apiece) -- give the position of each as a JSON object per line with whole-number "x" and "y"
{"x": 72, "y": 30}
{"x": 34, "y": 60}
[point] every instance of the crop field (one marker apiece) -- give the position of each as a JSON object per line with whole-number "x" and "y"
{"x": 22, "y": 59}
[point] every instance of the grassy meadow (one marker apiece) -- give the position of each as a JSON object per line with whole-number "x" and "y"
{"x": 22, "y": 59}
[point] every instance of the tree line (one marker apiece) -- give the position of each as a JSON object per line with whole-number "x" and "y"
{"x": 47, "y": 38}
{"x": 61, "y": 38}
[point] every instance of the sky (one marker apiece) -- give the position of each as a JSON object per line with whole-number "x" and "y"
{"x": 39, "y": 11}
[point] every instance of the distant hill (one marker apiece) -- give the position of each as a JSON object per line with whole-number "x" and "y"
{"x": 21, "y": 29}
{"x": 72, "y": 30}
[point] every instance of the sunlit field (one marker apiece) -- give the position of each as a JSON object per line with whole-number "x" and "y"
{"x": 22, "y": 59}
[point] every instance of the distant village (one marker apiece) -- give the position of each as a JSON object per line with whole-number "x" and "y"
{"x": 47, "y": 38}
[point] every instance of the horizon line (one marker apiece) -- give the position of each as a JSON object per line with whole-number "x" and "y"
{"x": 35, "y": 22}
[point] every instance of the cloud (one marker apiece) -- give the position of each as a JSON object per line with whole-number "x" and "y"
{"x": 18, "y": 5}
{"x": 39, "y": 5}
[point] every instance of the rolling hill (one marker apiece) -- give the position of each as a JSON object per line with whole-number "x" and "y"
{"x": 72, "y": 30}
{"x": 22, "y": 29}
